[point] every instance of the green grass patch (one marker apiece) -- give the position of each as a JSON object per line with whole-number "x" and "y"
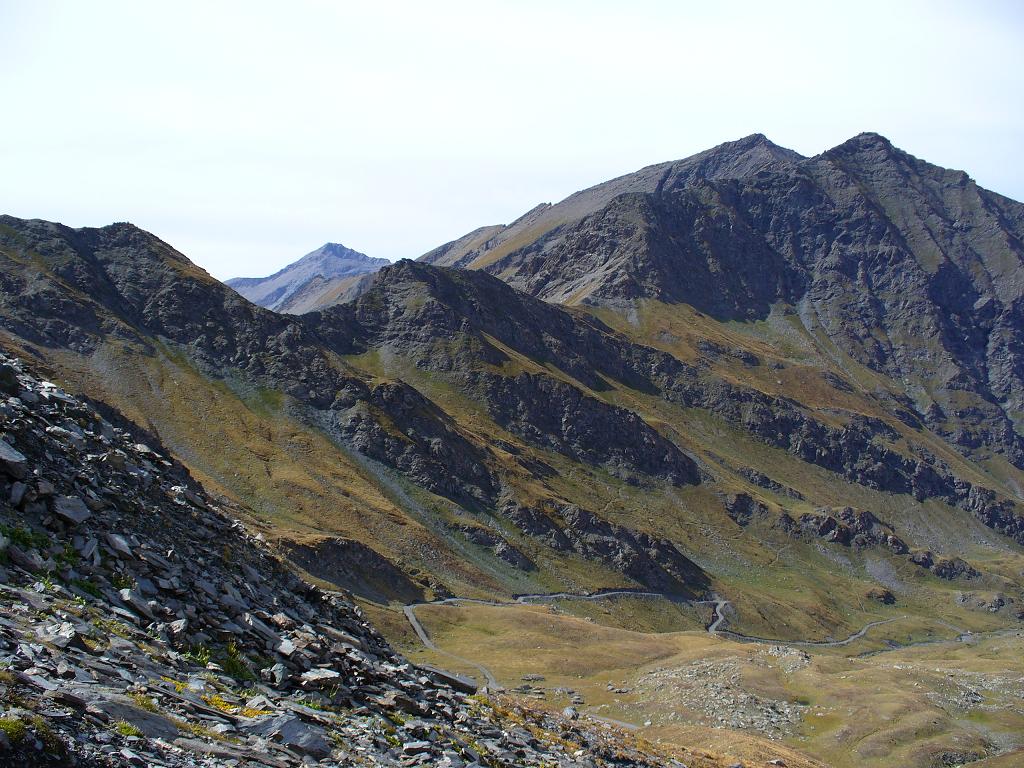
{"x": 14, "y": 729}
{"x": 124, "y": 728}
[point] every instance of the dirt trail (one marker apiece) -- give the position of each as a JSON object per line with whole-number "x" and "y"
{"x": 421, "y": 633}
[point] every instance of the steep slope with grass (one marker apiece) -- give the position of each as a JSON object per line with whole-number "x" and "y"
{"x": 141, "y": 625}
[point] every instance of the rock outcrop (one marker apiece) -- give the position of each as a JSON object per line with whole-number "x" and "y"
{"x": 856, "y": 528}
{"x": 398, "y": 426}
{"x": 743, "y": 509}
{"x": 654, "y": 563}
{"x": 491, "y": 539}
{"x": 556, "y": 415}
{"x": 860, "y": 529}
{"x": 353, "y": 566}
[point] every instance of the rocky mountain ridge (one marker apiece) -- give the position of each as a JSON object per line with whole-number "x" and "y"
{"x": 468, "y": 327}
{"x": 157, "y": 295}
{"x": 909, "y": 269}
{"x": 481, "y": 308}
{"x": 731, "y": 159}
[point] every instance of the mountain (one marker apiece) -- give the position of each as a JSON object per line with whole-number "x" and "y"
{"x": 732, "y": 159}
{"x": 321, "y": 292}
{"x": 296, "y": 288}
{"x": 864, "y": 252}
{"x": 317, "y": 430}
{"x": 754, "y": 396}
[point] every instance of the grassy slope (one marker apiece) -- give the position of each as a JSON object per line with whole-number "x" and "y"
{"x": 297, "y": 483}
{"x": 780, "y": 587}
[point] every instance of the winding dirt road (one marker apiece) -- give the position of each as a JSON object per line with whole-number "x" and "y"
{"x": 720, "y": 617}
{"x": 492, "y": 683}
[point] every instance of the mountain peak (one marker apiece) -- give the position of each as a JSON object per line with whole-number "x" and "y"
{"x": 736, "y": 159}
{"x": 337, "y": 251}
{"x": 405, "y": 271}
{"x": 868, "y": 141}
{"x": 872, "y": 137}
{"x": 755, "y": 142}
{"x": 751, "y": 141}
{"x": 328, "y": 262}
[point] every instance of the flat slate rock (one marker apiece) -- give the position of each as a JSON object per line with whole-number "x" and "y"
{"x": 71, "y": 509}
{"x": 13, "y": 461}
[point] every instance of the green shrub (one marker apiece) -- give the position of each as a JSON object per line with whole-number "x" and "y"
{"x": 25, "y": 538}
{"x": 235, "y": 664}
{"x": 198, "y": 654}
{"x": 13, "y": 728}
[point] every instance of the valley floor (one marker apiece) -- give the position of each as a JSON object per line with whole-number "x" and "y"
{"x": 902, "y": 693}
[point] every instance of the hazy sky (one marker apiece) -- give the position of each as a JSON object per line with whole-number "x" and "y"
{"x": 246, "y": 134}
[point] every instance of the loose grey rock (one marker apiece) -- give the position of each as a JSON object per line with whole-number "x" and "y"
{"x": 72, "y": 509}
{"x": 12, "y": 461}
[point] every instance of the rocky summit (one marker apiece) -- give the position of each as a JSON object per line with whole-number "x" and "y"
{"x": 727, "y": 451}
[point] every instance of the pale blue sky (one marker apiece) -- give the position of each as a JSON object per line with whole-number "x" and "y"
{"x": 246, "y": 134}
